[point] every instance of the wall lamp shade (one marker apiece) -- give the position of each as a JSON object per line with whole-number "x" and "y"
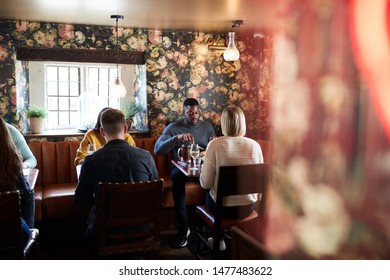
{"x": 117, "y": 88}
{"x": 231, "y": 53}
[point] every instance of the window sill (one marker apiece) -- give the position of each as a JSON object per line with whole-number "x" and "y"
{"x": 55, "y": 133}
{"x": 62, "y": 133}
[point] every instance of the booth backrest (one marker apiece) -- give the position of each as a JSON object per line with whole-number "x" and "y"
{"x": 55, "y": 161}
{"x": 163, "y": 162}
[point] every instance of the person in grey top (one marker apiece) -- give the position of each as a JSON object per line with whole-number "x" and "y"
{"x": 185, "y": 131}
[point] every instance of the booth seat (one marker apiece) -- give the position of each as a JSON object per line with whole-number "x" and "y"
{"x": 57, "y": 179}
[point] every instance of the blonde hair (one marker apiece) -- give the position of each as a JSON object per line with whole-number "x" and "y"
{"x": 233, "y": 121}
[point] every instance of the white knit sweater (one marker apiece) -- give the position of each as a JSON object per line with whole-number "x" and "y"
{"x": 227, "y": 151}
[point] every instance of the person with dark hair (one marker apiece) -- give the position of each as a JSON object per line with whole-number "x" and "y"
{"x": 12, "y": 179}
{"x": 185, "y": 131}
{"x": 94, "y": 137}
{"x": 116, "y": 161}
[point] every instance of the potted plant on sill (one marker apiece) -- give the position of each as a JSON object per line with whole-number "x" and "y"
{"x": 130, "y": 109}
{"x": 36, "y": 116}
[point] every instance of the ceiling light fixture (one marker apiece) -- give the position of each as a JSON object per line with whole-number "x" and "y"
{"x": 231, "y": 53}
{"x": 117, "y": 89}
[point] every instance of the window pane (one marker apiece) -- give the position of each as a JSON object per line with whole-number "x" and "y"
{"x": 63, "y": 73}
{"x": 63, "y": 103}
{"x": 51, "y": 73}
{"x": 52, "y": 88}
{"x": 63, "y": 88}
{"x": 52, "y": 119}
{"x": 103, "y": 90}
{"x": 74, "y": 119}
{"x": 64, "y": 119}
{"x": 93, "y": 88}
{"x": 113, "y": 74}
{"x": 114, "y": 103}
{"x": 52, "y": 103}
{"x": 102, "y": 102}
{"x": 74, "y": 74}
{"x": 74, "y": 89}
{"x": 103, "y": 77}
{"x": 74, "y": 103}
{"x": 93, "y": 75}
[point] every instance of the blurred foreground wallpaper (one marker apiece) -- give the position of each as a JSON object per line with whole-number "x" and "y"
{"x": 330, "y": 196}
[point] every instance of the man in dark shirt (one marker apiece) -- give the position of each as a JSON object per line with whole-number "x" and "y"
{"x": 116, "y": 161}
{"x": 184, "y": 131}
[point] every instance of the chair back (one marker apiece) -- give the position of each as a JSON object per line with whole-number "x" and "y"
{"x": 235, "y": 180}
{"x": 129, "y": 216}
{"x": 241, "y": 180}
{"x": 11, "y": 244}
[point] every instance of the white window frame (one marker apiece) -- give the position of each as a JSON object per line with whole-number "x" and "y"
{"x": 38, "y": 95}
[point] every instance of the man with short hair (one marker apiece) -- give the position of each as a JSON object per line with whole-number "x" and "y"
{"x": 185, "y": 131}
{"x": 116, "y": 161}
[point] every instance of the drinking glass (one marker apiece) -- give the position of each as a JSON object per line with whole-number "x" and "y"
{"x": 194, "y": 153}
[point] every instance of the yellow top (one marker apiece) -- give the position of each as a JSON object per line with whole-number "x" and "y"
{"x": 91, "y": 137}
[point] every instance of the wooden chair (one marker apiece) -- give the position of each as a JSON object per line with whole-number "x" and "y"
{"x": 129, "y": 217}
{"x": 234, "y": 180}
{"x": 11, "y": 242}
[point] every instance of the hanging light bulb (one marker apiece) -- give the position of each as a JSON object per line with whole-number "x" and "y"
{"x": 117, "y": 89}
{"x": 231, "y": 53}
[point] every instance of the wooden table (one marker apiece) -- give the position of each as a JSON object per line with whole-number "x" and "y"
{"x": 32, "y": 177}
{"x": 185, "y": 168}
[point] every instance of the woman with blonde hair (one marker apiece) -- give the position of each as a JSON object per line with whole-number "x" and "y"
{"x": 231, "y": 149}
{"x": 12, "y": 179}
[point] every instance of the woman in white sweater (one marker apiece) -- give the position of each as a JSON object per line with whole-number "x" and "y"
{"x": 231, "y": 149}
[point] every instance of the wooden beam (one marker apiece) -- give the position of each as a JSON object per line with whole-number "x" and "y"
{"x": 80, "y": 55}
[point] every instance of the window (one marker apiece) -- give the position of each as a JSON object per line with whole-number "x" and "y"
{"x": 62, "y": 91}
{"x": 73, "y": 94}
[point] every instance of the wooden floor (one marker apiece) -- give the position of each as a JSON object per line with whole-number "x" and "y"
{"x": 64, "y": 241}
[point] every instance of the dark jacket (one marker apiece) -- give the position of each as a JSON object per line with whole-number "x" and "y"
{"x": 116, "y": 161}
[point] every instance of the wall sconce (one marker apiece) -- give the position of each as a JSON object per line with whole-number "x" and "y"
{"x": 117, "y": 89}
{"x": 231, "y": 53}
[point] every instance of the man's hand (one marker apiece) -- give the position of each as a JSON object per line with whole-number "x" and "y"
{"x": 185, "y": 137}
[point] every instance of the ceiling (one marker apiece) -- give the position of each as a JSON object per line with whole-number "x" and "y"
{"x": 186, "y": 15}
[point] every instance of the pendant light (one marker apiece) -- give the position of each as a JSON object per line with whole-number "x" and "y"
{"x": 117, "y": 89}
{"x": 231, "y": 53}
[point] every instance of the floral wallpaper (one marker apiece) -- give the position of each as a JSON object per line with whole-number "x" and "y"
{"x": 179, "y": 65}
